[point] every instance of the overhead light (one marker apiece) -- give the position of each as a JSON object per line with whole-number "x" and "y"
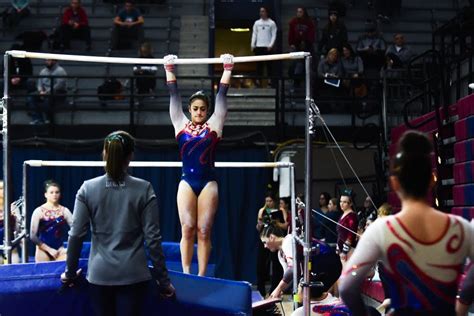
{"x": 240, "y": 29}
{"x": 471, "y": 86}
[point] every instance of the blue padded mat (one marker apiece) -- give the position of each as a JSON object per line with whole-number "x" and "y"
{"x": 32, "y": 289}
{"x": 172, "y": 254}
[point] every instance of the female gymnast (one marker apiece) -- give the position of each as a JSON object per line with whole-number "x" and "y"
{"x": 197, "y": 139}
{"x": 324, "y": 260}
{"x": 422, "y": 249}
{"x": 122, "y": 213}
{"x": 48, "y": 225}
{"x": 346, "y": 240}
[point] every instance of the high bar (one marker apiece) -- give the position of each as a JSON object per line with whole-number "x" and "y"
{"x": 148, "y": 61}
{"x": 148, "y": 164}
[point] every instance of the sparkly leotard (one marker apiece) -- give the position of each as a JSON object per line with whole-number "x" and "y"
{"x": 197, "y": 143}
{"x": 197, "y": 146}
{"x": 52, "y": 227}
{"x": 343, "y": 235}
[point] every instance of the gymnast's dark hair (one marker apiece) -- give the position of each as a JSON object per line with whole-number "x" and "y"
{"x": 286, "y": 200}
{"x": 348, "y": 192}
{"x": 272, "y": 229}
{"x": 50, "y": 183}
{"x": 118, "y": 146}
{"x": 412, "y": 164}
{"x": 200, "y": 95}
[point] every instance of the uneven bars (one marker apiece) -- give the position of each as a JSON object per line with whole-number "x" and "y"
{"x": 59, "y": 163}
{"x": 148, "y": 61}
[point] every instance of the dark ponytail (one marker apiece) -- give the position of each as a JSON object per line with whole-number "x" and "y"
{"x": 117, "y": 148}
{"x": 412, "y": 164}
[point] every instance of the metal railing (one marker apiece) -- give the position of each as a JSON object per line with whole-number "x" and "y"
{"x": 287, "y": 99}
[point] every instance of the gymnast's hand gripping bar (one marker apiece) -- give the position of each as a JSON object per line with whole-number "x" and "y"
{"x": 148, "y": 61}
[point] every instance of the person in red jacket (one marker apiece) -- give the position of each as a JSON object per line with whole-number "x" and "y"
{"x": 301, "y": 34}
{"x": 74, "y": 24}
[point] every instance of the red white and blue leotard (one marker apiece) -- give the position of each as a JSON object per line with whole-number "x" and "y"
{"x": 422, "y": 277}
{"x": 197, "y": 146}
{"x": 50, "y": 227}
{"x": 197, "y": 143}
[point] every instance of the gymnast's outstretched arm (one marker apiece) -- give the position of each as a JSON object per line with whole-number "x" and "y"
{"x": 178, "y": 119}
{"x": 216, "y": 121}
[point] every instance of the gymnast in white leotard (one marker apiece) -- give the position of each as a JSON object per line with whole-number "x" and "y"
{"x": 422, "y": 249}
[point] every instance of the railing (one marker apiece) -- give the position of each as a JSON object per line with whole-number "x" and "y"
{"x": 287, "y": 100}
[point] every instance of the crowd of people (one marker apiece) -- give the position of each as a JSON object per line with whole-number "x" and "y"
{"x": 344, "y": 71}
{"x": 418, "y": 265}
{"x": 74, "y": 24}
{"x": 412, "y": 252}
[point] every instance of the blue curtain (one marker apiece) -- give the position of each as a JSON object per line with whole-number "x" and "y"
{"x": 241, "y": 194}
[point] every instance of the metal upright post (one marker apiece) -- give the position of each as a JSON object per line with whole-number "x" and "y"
{"x": 6, "y": 163}
{"x": 308, "y": 176}
{"x": 24, "y": 210}
{"x": 384, "y": 109}
{"x": 293, "y": 231}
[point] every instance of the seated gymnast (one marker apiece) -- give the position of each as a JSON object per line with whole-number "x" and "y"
{"x": 197, "y": 138}
{"x": 49, "y": 225}
{"x": 422, "y": 249}
{"x": 324, "y": 259}
{"x": 121, "y": 212}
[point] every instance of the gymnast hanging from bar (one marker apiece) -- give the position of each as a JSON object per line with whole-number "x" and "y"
{"x": 197, "y": 139}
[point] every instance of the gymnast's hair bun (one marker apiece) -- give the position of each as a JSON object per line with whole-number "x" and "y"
{"x": 415, "y": 143}
{"x": 412, "y": 164}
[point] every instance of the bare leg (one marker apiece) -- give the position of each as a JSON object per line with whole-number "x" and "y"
{"x": 15, "y": 256}
{"x": 207, "y": 207}
{"x": 62, "y": 256}
{"x": 42, "y": 256}
{"x": 187, "y": 209}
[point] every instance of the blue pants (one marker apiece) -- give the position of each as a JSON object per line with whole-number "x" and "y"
{"x": 119, "y": 300}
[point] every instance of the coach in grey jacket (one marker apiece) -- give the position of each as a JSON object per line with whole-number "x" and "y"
{"x": 122, "y": 213}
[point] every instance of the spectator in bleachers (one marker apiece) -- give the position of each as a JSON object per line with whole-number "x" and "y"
{"x": 144, "y": 83}
{"x": 338, "y": 6}
{"x": 74, "y": 24}
{"x": 301, "y": 34}
{"x": 49, "y": 91}
{"x": 18, "y": 68}
{"x": 334, "y": 34}
{"x": 354, "y": 70}
{"x": 331, "y": 66}
{"x": 371, "y": 47}
{"x": 352, "y": 64}
{"x": 398, "y": 54}
{"x": 18, "y": 10}
{"x": 128, "y": 26}
{"x": 264, "y": 34}
{"x": 301, "y": 37}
